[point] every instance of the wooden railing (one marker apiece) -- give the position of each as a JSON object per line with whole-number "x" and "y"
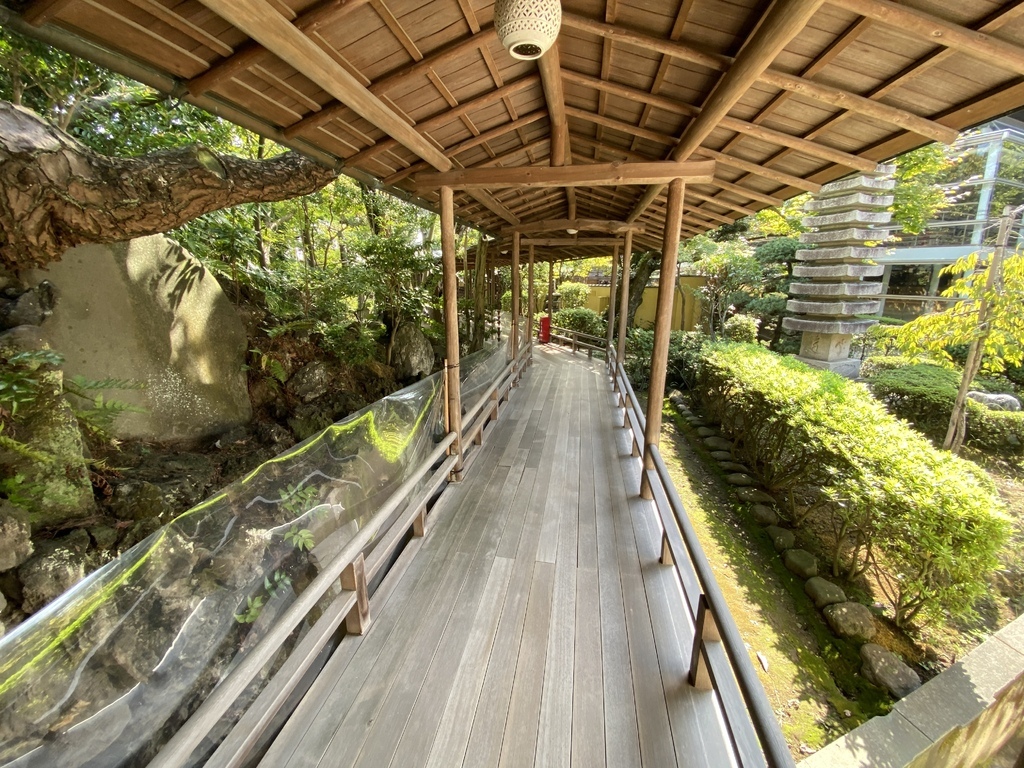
{"x": 719, "y": 660}
{"x": 578, "y": 340}
{"x": 354, "y": 566}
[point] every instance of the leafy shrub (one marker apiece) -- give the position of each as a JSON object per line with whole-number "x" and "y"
{"x": 924, "y": 395}
{"x": 741, "y": 328}
{"x": 506, "y": 301}
{"x": 573, "y": 295}
{"x": 582, "y": 320}
{"x": 877, "y": 340}
{"x": 684, "y": 348}
{"x": 878, "y": 363}
{"x": 926, "y": 522}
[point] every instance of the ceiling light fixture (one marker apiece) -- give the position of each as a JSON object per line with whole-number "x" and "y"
{"x": 527, "y": 28}
{"x": 572, "y": 231}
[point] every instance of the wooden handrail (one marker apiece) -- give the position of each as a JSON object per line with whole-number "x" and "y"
{"x": 236, "y": 747}
{"x": 753, "y": 728}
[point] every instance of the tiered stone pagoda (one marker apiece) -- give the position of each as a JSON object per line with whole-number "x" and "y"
{"x": 846, "y": 217}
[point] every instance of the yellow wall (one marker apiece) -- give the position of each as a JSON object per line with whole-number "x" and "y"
{"x": 685, "y": 308}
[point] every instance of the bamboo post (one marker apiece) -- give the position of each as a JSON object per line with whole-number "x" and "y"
{"x": 516, "y": 289}
{"x": 627, "y": 254}
{"x": 451, "y": 324}
{"x": 662, "y": 328}
{"x": 529, "y": 305}
{"x": 611, "y": 309}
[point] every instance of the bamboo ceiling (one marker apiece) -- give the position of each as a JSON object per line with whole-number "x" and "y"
{"x": 783, "y": 97}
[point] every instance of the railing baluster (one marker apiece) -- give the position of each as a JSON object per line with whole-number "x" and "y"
{"x": 706, "y": 630}
{"x": 353, "y": 578}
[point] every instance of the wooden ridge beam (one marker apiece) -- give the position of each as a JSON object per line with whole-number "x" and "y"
{"x": 826, "y": 94}
{"x": 432, "y": 123}
{"x": 583, "y": 225}
{"x": 251, "y": 52}
{"x": 605, "y": 174}
{"x": 262, "y": 22}
{"x": 446, "y": 54}
{"x": 927, "y": 26}
{"x": 784, "y": 21}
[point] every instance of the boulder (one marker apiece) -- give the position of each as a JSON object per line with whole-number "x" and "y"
{"x": 162, "y": 486}
{"x": 764, "y": 514}
{"x": 412, "y": 355}
{"x": 754, "y": 496}
{"x": 722, "y": 455}
{"x": 823, "y": 592}
{"x": 696, "y": 421}
{"x": 885, "y": 669}
{"x": 706, "y": 431}
{"x": 60, "y": 489}
{"x": 739, "y": 479}
{"x": 801, "y": 562}
{"x": 851, "y": 620}
{"x": 149, "y": 312}
{"x": 15, "y": 536}
{"x": 311, "y": 381}
{"x": 782, "y": 538}
{"x": 56, "y": 567}
{"x": 733, "y": 466}
{"x": 718, "y": 443}
{"x": 995, "y": 401}
{"x": 30, "y": 308}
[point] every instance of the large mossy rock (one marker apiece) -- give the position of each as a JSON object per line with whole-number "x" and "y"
{"x": 56, "y": 567}
{"x": 148, "y": 311}
{"x": 851, "y": 620}
{"x": 58, "y": 489}
{"x": 412, "y": 355}
{"x": 15, "y": 536}
{"x": 885, "y": 669}
{"x": 162, "y": 486}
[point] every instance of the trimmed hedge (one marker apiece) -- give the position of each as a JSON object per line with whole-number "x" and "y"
{"x": 924, "y": 395}
{"x": 927, "y": 523}
{"x": 684, "y": 349}
{"x": 573, "y": 295}
{"x": 582, "y": 320}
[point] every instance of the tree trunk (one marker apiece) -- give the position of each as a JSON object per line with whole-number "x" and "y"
{"x": 480, "y": 296}
{"x": 644, "y": 266}
{"x": 59, "y": 193}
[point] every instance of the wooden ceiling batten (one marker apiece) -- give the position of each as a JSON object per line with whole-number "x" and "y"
{"x": 610, "y": 174}
{"x": 583, "y": 225}
{"x": 783, "y": 22}
{"x": 929, "y": 27}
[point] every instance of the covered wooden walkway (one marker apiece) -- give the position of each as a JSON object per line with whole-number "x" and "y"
{"x": 533, "y": 625}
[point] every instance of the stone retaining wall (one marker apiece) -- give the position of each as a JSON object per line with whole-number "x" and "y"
{"x": 962, "y": 717}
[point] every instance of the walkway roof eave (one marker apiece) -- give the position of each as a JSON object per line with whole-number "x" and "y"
{"x": 778, "y": 93}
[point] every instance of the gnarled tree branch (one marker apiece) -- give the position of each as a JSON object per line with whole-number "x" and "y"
{"x": 56, "y": 193}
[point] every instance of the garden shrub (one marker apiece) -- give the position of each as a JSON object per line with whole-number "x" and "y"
{"x": 582, "y": 320}
{"x": 924, "y": 395}
{"x": 741, "y": 328}
{"x": 506, "y": 302}
{"x": 927, "y": 523}
{"x": 684, "y": 351}
{"x": 573, "y": 295}
{"x": 874, "y": 365}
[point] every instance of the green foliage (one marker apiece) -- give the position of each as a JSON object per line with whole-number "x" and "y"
{"x": 300, "y": 538}
{"x": 731, "y": 274}
{"x": 582, "y": 320}
{"x": 95, "y": 413}
{"x": 506, "y": 301}
{"x": 874, "y": 365}
{"x": 20, "y": 378}
{"x": 281, "y": 581}
{"x": 785, "y": 221}
{"x": 879, "y": 339}
{"x": 742, "y": 328}
{"x": 917, "y": 196}
{"x": 935, "y": 333}
{"x": 297, "y": 501}
{"x": 253, "y": 607}
{"x": 927, "y": 523}
{"x": 924, "y": 395}
{"x": 684, "y": 351}
{"x": 573, "y": 295}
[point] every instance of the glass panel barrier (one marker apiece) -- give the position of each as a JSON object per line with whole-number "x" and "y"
{"x": 105, "y": 674}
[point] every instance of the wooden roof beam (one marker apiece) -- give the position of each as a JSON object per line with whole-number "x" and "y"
{"x": 432, "y": 123}
{"x": 550, "y": 68}
{"x": 935, "y": 30}
{"x": 262, "y": 22}
{"x": 783, "y": 22}
{"x": 835, "y": 97}
{"x": 727, "y": 204}
{"x": 583, "y": 225}
{"x": 571, "y": 242}
{"x": 605, "y": 174}
{"x": 443, "y": 56}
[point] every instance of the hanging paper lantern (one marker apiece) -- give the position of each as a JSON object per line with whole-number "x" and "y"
{"x": 527, "y": 28}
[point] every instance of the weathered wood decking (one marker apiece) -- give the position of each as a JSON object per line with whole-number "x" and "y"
{"x": 533, "y": 625}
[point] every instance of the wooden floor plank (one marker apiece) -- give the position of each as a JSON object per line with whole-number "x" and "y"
{"x": 520, "y": 736}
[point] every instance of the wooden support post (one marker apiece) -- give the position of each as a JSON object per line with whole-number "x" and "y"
{"x": 419, "y": 523}
{"x": 662, "y": 328}
{"x": 530, "y": 308}
{"x": 627, "y": 254}
{"x": 611, "y": 310}
{"x": 451, "y": 325}
{"x": 666, "y": 552}
{"x": 353, "y": 578}
{"x": 705, "y": 630}
{"x": 516, "y": 290}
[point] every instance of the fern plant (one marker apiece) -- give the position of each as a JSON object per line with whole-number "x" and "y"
{"x": 97, "y": 417}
